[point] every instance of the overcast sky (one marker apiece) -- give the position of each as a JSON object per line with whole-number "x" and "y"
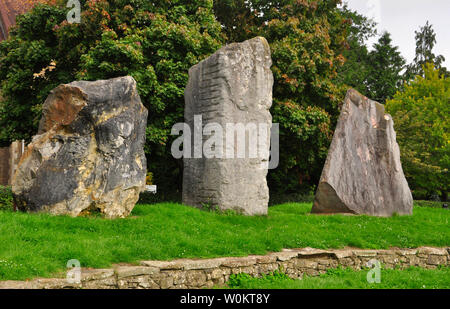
{"x": 402, "y": 17}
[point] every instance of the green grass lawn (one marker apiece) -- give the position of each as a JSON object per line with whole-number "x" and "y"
{"x": 33, "y": 245}
{"x": 411, "y": 278}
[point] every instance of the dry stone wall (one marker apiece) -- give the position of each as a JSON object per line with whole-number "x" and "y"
{"x": 206, "y": 273}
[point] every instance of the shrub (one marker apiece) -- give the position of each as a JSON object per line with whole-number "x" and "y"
{"x": 432, "y": 204}
{"x": 6, "y": 198}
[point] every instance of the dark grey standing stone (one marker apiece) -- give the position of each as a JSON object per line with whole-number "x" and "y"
{"x": 232, "y": 86}
{"x": 89, "y": 151}
{"x": 363, "y": 173}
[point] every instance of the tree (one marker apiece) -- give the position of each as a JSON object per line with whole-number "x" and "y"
{"x": 384, "y": 76}
{"x": 376, "y": 73}
{"x": 357, "y": 67}
{"x": 421, "y": 115}
{"x": 425, "y": 42}
{"x": 156, "y": 42}
{"x": 238, "y": 18}
{"x": 25, "y": 53}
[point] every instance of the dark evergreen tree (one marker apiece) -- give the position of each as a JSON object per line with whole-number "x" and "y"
{"x": 385, "y": 65}
{"x": 355, "y": 71}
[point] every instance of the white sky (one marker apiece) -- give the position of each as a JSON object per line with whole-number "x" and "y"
{"x": 402, "y": 17}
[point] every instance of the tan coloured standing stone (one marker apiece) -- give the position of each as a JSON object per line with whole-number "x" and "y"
{"x": 89, "y": 152}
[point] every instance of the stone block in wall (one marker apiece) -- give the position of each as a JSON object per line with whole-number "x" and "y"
{"x": 195, "y": 278}
{"x": 133, "y": 271}
{"x": 437, "y": 260}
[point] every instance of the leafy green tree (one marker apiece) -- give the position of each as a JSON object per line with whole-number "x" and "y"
{"x": 156, "y": 42}
{"x": 425, "y": 42}
{"x": 25, "y": 53}
{"x": 238, "y": 18}
{"x": 384, "y": 76}
{"x": 421, "y": 115}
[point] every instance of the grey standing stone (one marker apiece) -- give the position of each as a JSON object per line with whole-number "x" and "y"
{"x": 363, "y": 173}
{"x": 232, "y": 86}
{"x": 89, "y": 151}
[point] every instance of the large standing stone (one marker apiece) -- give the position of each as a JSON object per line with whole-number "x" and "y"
{"x": 89, "y": 151}
{"x": 363, "y": 173}
{"x": 232, "y": 86}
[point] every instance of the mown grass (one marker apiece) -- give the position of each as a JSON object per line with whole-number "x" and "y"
{"x": 411, "y": 278}
{"x": 39, "y": 245}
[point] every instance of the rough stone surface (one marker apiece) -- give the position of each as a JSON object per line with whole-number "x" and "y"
{"x": 232, "y": 86}
{"x": 363, "y": 173}
{"x": 207, "y": 273}
{"x": 89, "y": 151}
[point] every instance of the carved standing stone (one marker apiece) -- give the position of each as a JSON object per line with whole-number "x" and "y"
{"x": 232, "y": 86}
{"x": 89, "y": 151}
{"x": 363, "y": 173}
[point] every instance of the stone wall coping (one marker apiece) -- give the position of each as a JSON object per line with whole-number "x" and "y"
{"x": 433, "y": 251}
{"x": 131, "y": 271}
{"x": 185, "y": 270}
{"x": 163, "y": 265}
{"x": 96, "y": 274}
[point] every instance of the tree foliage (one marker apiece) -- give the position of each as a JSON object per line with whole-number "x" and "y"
{"x": 357, "y": 67}
{"x": 385, "y": 67}
{"x": 422, "y": 121}
{"x": 375, "y": 73}
{"x": 425, "y": 42}
{"x": 25, "y": 53}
